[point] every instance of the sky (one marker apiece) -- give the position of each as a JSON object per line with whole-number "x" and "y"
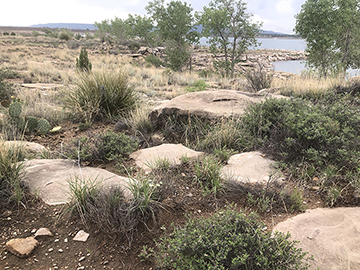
{"x": 276, "y": 15}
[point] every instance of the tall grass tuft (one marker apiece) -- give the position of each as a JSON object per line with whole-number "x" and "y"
{"x": 101, "y": 94}
{"x": 11, "y": 170}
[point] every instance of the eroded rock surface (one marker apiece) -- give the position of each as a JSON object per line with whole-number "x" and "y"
{"x": 31, "y": 148}
{"x": 331, "y": 235}
{"x": 148, "y": 158}
{"x": 206, "y": 105}
{"x": 48, "y": 178}
{"x": 250, "y": 167}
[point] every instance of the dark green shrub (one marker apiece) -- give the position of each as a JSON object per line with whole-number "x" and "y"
{"x": 199, "y": 85}
{"x": 153, "y": 60}
{"x": 83, "y": 63}
{"x": 114, "y": 146}
{"x": 80, "y": 150}
{"x": 229, "y": 240}
{"x": 6, "y": 90}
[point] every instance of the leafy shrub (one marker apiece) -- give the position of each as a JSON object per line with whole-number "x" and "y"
{"x": 101, "y": 94}
{"x": 229, "y": 240}
{"x": 114, "y": 146}
{"x": 153, "y": 60}
{"x": 83, "y": 63}
{"x": 6, "y": 90}
{"x": 79, "y": 149}
{"x": 199, "y": 85}
{"x": 64, "y": 35}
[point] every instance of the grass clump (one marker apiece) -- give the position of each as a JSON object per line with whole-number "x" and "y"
{"x": 229, "y": 240}
{"x": 11, "y": 170}
{"x": 101, "y": 94}
{"x": 208, "y": 174}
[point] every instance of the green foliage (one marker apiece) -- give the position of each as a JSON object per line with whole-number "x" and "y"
{"x": 230, "y": 32}
{"x": 175, "y": 25}
{"x": 43, "y": 126}
{"x": 80, "y": 150}
{"x": 83, "y": 63}
{"x": 331, "y": 31}
{"x": 229, "y": 240}
{"x": 153, "y": 60}
{"x": 208, "y": 174}
{"x": 101, "y": 94}
{"x": 31, "y": 123}
{"x": 199, "y": 85}
{"x": 65, "y": 35}
{"x": 114, "y": 146}
{"x": 318, "y": 132}
{"x": 15, "y": 109}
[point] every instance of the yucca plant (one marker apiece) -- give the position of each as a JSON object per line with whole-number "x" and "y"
{"x": 101, "y": 94}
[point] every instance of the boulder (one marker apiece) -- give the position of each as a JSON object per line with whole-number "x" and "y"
{"x": 330, "y": 235}
{"x": 205, "y": 104}
{"x": 249, "y": 167}
{"x": 31, "y": 148}
{"x": 48, "y": 178}
{"x": 147, "y": 158}
{"x": 22, "y": 247}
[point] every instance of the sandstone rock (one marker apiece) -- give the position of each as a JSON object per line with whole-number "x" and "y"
{"x": 249, "y": 167}
{"x": 205, "y": 104}
{"x": 81, "y": 236}
{"x": 146, "y": 158}
{"x": 43, "y": 232}
{"x": 48, "y": 178}
{"x": 331, "y": 235}
{"x": 32, "y": 149}
{"x": 22, "y": 247}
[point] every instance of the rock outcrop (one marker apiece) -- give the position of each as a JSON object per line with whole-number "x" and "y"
{"x": 330, "y": 235}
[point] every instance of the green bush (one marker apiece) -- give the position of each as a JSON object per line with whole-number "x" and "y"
{"x": 6, "y": 90}
{"x": 64, "y": 35}
{"x": 114, "y": 146}
{"x": 83, "y": 63}
{"x": 153, "y": 60}
{"x": 229, "y": 240}
{"x": 199, "y": 85}
{"x": 208, "y": 174}
{"x": 101, "y": 94}
{"x": 80, "y": 150}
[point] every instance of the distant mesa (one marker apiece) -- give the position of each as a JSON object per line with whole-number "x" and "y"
{"x": 78, "y": 26}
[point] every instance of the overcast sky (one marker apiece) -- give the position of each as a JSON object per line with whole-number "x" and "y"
{"x": 277, "y": 15}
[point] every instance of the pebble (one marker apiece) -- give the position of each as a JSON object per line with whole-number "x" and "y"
{"x": 65, "y": 240}
{"x": 50, "y": 249}
{"x": 60, "y": 250}
{"x": 81, "y": 267}
{"x": 56, "y": 240}
{"x": 82, "y": 258}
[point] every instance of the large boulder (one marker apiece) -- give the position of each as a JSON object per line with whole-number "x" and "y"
{"x": 205, "y": 105}
{"x": 331, "y": 235}
{"x": 49, "y": 178}
{"x": 250, "y": 167}
{"x": 148, "y": 158}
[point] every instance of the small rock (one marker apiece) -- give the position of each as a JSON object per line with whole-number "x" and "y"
{"x": 22, "y": 247}
{"x": 82, "y": 258}
{"x": 81, "y": 236}
{"x": 65, "y": 240}
{"x": 60, "y": 250}
{"x": 43, "y": 232}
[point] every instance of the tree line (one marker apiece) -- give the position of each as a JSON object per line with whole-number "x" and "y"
{"x": 226, "y": 24}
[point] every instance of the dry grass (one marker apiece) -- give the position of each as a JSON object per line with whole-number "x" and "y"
{"x": 299, "y": 85}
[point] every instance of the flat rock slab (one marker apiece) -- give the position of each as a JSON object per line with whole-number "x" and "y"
{"x": 205, "y": 104}
{"x": 331, "y": 235}
{"x": 48, "y": 178}
{"x": 22, "y": 247}
{"x": 249, "y": 167}
{"x": 147, "y": 158}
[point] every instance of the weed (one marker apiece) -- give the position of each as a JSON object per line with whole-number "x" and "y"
{"x": 207, "y": 174}
{"x": 199, "y": 85}
{"x": 296, "y": 198}
{"x": 146, "y": 253}
{"x": 258, "y": 78}
{"x": 161, "y": 164}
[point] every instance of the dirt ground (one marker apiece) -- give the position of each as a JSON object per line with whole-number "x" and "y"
{"x": 102, "y": 251}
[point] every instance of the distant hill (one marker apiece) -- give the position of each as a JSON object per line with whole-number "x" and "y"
{"x": 79, "y": 26}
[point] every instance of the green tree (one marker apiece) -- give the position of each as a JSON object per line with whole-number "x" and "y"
{"x": 83, "y": 63}
{"x": 331, "y": 30}
{"x": 230, "y": 32}
{"x": 175, "y": 25}
{"x": 141, "y": 27}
